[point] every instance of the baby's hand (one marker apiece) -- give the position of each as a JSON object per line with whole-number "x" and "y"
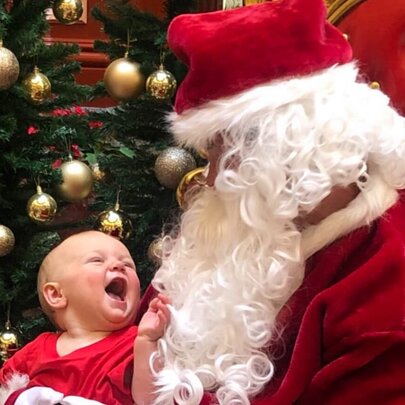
{"x": 155, "y": 319}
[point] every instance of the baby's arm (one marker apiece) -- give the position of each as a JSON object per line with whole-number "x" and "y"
{"x": 151, "y": 328}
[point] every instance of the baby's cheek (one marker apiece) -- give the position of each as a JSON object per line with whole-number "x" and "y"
{"x": 93, "y": 278}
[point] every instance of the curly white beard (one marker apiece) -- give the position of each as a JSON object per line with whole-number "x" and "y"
{"x": 228, "y": 282}
{"x": 238, "y": 257}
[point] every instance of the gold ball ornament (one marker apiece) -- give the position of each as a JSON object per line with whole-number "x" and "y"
{"x": 77, "y": 181}
{"x": 41, "y": 207}
{"x": 114, "y": 222}
{"x": 374, "y": 85}
{"x": 9, "y": 341}
{"x": 172, "y": 164}
{"x": 7, "y": 240}
{"x": 124, "y": 80}
{"x": 155, "y": 251}
{"x": 67, "y": 11}
{"x": 9, "y": 68}
{"x": 37, "y": 87}
{"x": 190, "y": 184}
{"x": 161, "y": 84}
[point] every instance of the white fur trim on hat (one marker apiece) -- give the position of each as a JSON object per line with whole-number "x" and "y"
{"x": 198, "y": 126}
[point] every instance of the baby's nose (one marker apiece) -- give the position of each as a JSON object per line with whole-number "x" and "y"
{"x": 117, "y": 265}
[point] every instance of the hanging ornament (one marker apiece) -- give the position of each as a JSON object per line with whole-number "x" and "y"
{"x": 155, "y": 251}
{"x": 77, "y": 180}
{"x": 41, "y": 207}
{"x": 7, "y": 240}
{"x": 172, "y": 164}
{"x": 9, "y": 68}
{"x": 98, "y": 174}
{"x": 123, "y": 79}
{"x": 37, "y": 87}
{"x": 161, "y": 84}
{"x": 67, "y": 11}
{"x": 9, "y": 341}
{"x": 190, "y": 184}
{"x": 114, "y": 222}
{"x": 374, "y": 85}
{"x": 8, "y": 6}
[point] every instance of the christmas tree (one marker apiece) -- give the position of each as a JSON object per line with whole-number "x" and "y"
{"x": 128, "y": 147}
{"x": 40, "y": 125}
{"x": 140, "y": 162}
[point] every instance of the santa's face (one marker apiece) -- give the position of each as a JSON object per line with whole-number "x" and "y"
{"x": 376, "y": 30}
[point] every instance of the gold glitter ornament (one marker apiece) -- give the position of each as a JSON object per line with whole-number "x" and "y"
{"x": 192, "y": 182}
{"x": 7, "y": 240}
{"x": 9, "y": 341}
{"x": 155, "y": 251}
{"x": 41, "y": 207}
{"x": 9, "y": 68}
{"x": 161, "y": 84}
{"x": 172, "y": 164}
{"x": 37, "y": 87}
{"x": 124, "y": 80}
{"x": 77, "y": 180}
{"x": 114, "y": 222}
{"x": 67, "y": 11}
{"x": 98, "y": 174}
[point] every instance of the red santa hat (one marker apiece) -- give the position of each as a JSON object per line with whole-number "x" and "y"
{"x": 229, "y": 53}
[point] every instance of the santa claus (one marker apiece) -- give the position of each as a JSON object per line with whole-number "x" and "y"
{"x": 287, "y": 274}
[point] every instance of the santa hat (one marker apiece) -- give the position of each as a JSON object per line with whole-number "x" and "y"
{"x": 231, "y": 53}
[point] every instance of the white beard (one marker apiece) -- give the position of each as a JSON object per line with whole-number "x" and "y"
{"x": 227, "y": 282}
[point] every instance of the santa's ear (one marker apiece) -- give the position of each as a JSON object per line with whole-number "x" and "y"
{"x": 53, "y": 295}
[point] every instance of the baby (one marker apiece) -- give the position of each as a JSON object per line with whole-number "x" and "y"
{"x": 89, "y": 288}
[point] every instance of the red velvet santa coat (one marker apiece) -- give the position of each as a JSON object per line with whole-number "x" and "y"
{"x": 344, "y": 336}
{"x": 345, "y": 326}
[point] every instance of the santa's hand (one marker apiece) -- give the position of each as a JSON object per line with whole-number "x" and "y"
{"x": 155, "y": 319}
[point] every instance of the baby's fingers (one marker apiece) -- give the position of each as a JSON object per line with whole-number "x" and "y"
{"x": 164, "y": 298}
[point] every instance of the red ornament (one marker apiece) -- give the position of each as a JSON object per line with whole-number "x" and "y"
{"x": 8, "y": 5}
{"x": 61, "y": 112}
{"x": 79, "y": 111}
{"x": 32, "y": 130}
{"x": 76, "y": 150}
{"x": 95, "y": 124}
{"x": 57, "y": 164}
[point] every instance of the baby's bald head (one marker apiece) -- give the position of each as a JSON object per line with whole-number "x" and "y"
{"x": 53, "y": 266}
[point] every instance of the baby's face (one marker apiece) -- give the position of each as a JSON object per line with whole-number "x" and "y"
{"x": 99, "y": 280}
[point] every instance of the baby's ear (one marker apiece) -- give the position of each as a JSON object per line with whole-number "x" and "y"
{"x": 53, "y": 295}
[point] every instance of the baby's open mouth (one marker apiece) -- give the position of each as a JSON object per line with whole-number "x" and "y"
{"x": 117, "y": 289}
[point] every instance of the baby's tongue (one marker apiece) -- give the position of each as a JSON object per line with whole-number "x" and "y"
{"x": 114, "y": 296}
